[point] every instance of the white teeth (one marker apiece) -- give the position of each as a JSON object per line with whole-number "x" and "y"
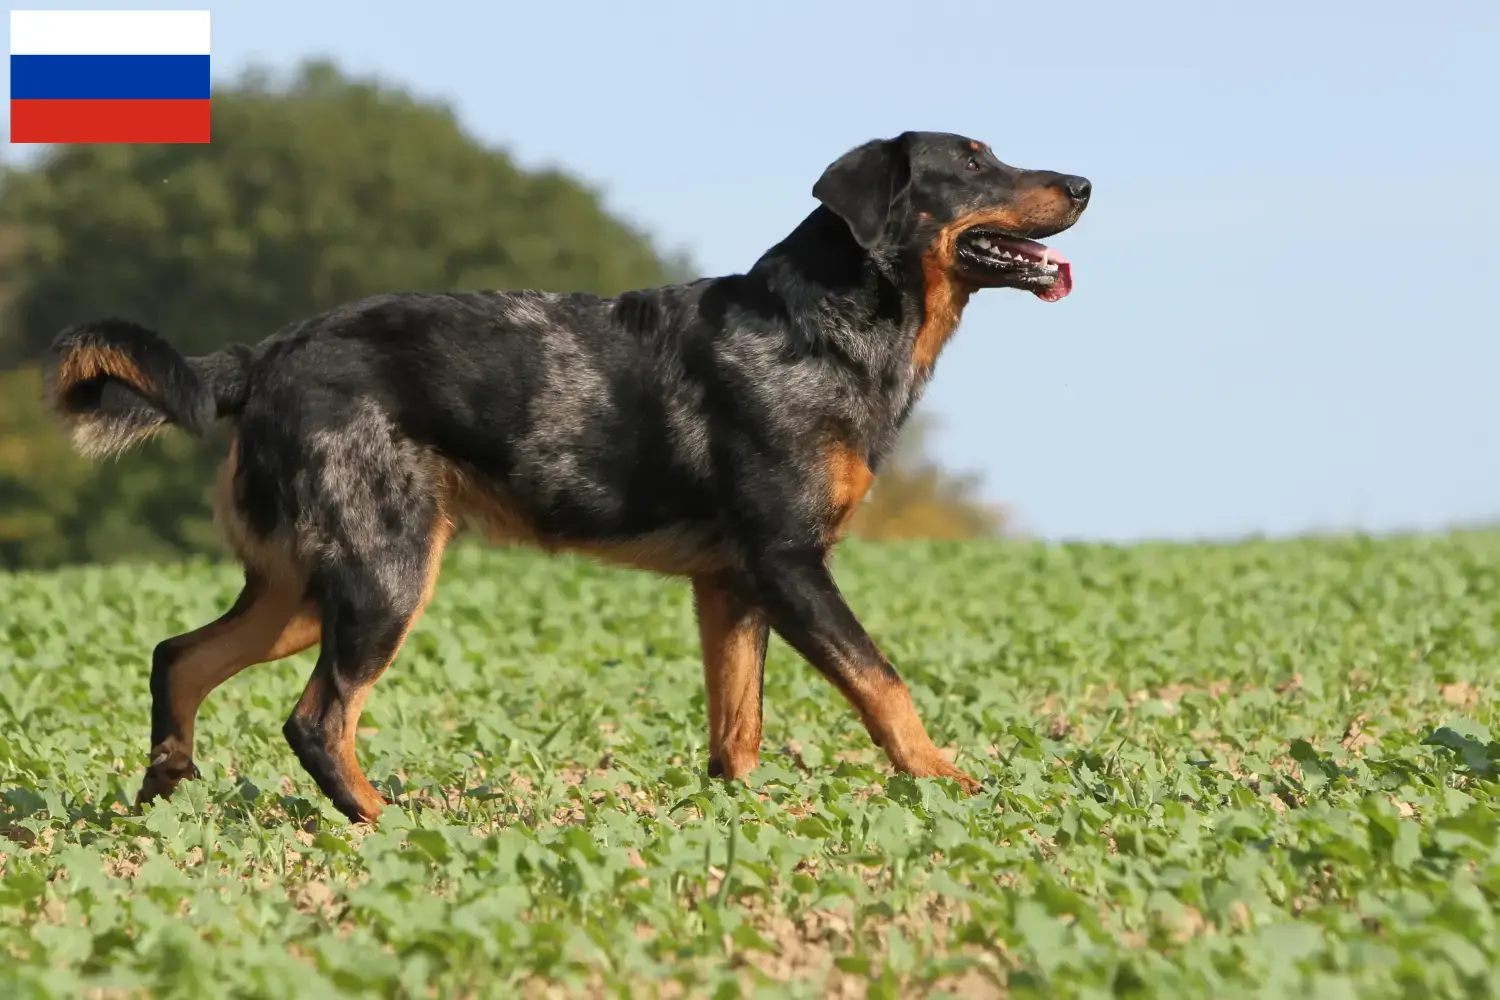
{"x": 1044, "y": 265}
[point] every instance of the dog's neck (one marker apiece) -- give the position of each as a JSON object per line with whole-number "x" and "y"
{"x": 867, "y": 310}
{"x": 819, "y": 269}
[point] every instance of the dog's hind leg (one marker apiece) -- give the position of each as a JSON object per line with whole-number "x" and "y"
{"x": 268, "y": 621}
{"x": 272, "y": 618}
{"x": 368, "y": 603}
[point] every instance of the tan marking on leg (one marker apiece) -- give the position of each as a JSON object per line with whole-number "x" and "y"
{"x": 274, "y": 557}
{"x": 733, "y": 664}
{"x": 274, "y": 623}
{"x": 277, "y": 625}
{"x": 884, "y": 704}
{"x": 334, "y": 709}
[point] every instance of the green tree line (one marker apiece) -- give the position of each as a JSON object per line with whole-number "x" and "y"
{"x": 314, "y": 191}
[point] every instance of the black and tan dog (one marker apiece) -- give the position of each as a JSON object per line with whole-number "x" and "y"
{"x": 724, "y": 430}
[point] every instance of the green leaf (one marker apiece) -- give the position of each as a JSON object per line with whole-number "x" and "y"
{"x": 1407, "y": 850}
{"x": 1479, "y": 758}
{"x": 747, "y": 937}
{"x": 325, "y": 841}
{"x": 814, "y": 826}
{"x": 432, "y": 843}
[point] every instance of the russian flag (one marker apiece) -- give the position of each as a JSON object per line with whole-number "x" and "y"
{"x": 109, "y": 76}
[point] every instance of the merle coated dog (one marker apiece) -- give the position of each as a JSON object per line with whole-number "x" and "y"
{"x": 725, "y": 430}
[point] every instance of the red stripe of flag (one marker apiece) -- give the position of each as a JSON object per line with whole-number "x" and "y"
{"x": 109, "y": 121}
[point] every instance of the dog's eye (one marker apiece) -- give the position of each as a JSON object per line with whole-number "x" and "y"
{"x": 973, "y": 164}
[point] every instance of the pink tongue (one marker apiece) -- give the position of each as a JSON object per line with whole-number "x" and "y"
{"x": 1062, "y": 283}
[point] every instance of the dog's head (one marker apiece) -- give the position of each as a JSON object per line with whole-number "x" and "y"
{"x": 966, "y": 212}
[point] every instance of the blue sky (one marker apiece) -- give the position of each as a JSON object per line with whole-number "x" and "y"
{"x": 1285, "y": 315}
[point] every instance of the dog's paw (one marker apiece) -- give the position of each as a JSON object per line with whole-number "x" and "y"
{"x": 169, "y": 765}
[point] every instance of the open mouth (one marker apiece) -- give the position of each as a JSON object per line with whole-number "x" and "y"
{"x": 993, "y": 259}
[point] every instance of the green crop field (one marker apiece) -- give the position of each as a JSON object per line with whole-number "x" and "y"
{"x": 1262, "y": 769}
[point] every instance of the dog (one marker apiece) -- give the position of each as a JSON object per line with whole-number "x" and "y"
{"x": 724, "y": 430}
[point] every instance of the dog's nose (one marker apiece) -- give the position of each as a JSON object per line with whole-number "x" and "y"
{"x": 1078, "y": 188}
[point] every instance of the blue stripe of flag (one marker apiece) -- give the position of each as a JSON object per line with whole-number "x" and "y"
{"x": 63, "y": 78}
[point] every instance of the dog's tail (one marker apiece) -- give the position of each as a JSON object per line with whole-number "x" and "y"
{"x": 114, "y": 384}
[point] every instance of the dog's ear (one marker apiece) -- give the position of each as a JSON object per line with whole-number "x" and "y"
{"x": 866, "y": 186}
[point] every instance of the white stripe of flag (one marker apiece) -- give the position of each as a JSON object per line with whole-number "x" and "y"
{"x": 109, "y": 33}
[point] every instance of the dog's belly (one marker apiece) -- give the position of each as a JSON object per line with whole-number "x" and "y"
{"x": 638, "y": 524}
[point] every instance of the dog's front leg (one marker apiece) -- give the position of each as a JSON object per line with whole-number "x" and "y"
{"x": 734, "y": 656}
{"x": 806, "y": 609}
